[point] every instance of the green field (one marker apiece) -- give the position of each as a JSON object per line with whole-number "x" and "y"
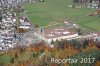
{"x": 4, "y": 59}
{"x": 41, "y": 13}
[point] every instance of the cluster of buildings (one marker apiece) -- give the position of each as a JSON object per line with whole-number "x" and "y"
{"x": 10, "y": 34}
{"x": 24, "y": 23}
{"x": 88, "y": 3}
{"x": 57, "y": 33}
{"x": 13, "y": 29}
{"x": 7, "y": 30}
{"x": 15, "y": 2}
{"x": 94, "y": 4}
{"x": 67, "y": 32}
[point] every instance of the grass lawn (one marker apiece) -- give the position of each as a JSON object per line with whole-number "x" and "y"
{"x": 42, "y": 13}
{"x": 95, "y": 26}
{"x": 5, "y": 59}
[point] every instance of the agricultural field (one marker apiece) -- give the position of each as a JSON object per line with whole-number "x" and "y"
{"x": 42, "y": 13}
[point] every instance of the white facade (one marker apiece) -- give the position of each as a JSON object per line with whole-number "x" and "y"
{"x": 62, "y": 37}
{"x": 24, "y": 27}
{"x": 48, "y": 40}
